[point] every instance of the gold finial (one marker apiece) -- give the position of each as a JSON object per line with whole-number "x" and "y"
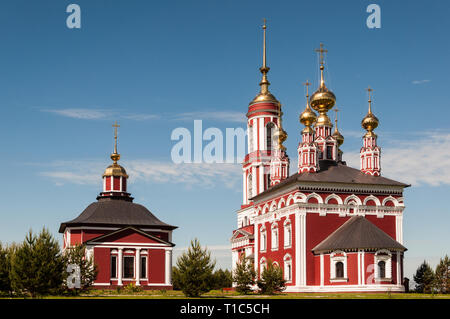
{"x": 264, "y": 43}
{"x": 264, "y": 94}
{"x": 321, "y": 51}
{"x": 369, "y": 92}
{"x": 307, "y": 84}
{"x": 370, "y": 121}
{"x": 307, "y": 117}
{"x": 115, "y": 156}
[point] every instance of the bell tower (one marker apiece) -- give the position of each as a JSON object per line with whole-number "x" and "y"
{"x": 370, "y": 152}
{"x": 264, "y": 134}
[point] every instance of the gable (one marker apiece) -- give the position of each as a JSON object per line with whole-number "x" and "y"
{"x": 129, "y": 235}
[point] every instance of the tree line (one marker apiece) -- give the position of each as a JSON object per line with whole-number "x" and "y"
{"x": 433, "y": 281}
{"x": 37, "y": 267}
{"x": 194, "y": 274}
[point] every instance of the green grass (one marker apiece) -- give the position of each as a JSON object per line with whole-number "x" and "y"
{"x": 217, "y": 294}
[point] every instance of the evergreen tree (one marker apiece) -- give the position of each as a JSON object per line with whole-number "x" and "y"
{"x": 221, "y": 279}
{"x": 176, "y": 283}
{"x": 424, "y": 278}
{"x": 88, "y": 270}
{"x": 244, "y": 275}
{"x": 271, "y": 280}
{"x": 442, "y": 276}
{"x": 5, "y": 268}
{"x": 37, "y": 266}
{"x": 195, "y": 270}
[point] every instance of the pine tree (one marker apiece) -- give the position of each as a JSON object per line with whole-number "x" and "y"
{"x": 424, "y": 278}
{"x": 221, "y": 279}
{"x": 5, "y": 268}
{"x": 88, "y": 270}
{"x": 271, "y": 280}
{"x": 442, "y": 276}
{"x": 195, "y": 270}
{"x": 37, "y": 266}
{"x": 244, "y": 275}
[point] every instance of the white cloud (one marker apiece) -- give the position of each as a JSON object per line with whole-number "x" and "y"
{"x": 82, "y": 114}
{"x": 190, "y": 175}
{"x": 222, "y": 116}
{"x": 100, "y": 114}
{"x": 423, "y": 161}
{"x": 420, "y": 81}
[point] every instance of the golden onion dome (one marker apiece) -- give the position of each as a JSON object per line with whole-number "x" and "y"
{"x": 307, "y": 117}
{"x": 115, "y": 170}
{"x": 322, "y": 100}
{"x": 280, "y": 135}
{"x": 338, "y": 137}
{"x": 369, "y": 122}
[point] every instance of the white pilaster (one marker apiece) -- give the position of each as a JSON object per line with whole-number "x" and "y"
{"x": 298, "y": 258}
{"x": 119, "y": 271}
{"x": 138, "y": 266}
{"x": 168, "y": 267}
{"x": 322, "y": 272}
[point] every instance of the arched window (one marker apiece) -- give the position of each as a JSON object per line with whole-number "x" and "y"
{"x": 287, "y": 234}
{"x": 269, "y": 135}
{"x": 382, "y": 269}
{"x": 263, "y": 239}
{"x": 275, "y": 237}
{"x": 288, "y": 268}
{"x": 339, "y": 269}
{"x": 383, "y": 265}
{"x": 250, "y": 185}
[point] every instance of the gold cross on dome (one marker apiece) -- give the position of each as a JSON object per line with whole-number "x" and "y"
{"x": 369, "y": 90}
{"x": 307, "y": 84}
{"x": 321, "y": 51}
{"x": 115, "y": 125}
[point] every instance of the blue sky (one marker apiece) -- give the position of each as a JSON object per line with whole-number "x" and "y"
{"x": 158, "y": 65}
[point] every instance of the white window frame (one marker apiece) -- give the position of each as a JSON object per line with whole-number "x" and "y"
{"x": 263, "y": 239}
{"x": 386, "y": 256}
{"x": 334, "y": 259}
{"x": 275, "y": 238}
{"x": 287, "y": 233}
{"x": 146, "y": 267}
{"x": 117, "y": 267}
{"x": 287, "y": 268}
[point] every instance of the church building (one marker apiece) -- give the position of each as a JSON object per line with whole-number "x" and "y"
{"x": 128, "y": 243}
{"x": 330, "y": 227}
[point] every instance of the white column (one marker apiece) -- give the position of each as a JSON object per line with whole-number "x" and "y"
{"x": 168, "y": 266}
{"x": 322, "y": 272}
{"x": 261, "y": 178}
{"x": 298, "y": 258}
{"x": 119, "y": 271}
{"x": 399, "y": 280}
{"x": 138, "y": 266}
{"x": 363, "y": 275}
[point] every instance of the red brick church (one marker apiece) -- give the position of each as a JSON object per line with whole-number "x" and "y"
{"x": 128, "y": 243}
{"x": 330, "y": 227}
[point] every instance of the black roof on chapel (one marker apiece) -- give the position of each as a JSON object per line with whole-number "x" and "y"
{"x": 116, "y": 213}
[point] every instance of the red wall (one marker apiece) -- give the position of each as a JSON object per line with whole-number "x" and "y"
{"x": 103, "y": 261}
{"x": 317, "y": 229}
{"x": 156, "y": 265}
